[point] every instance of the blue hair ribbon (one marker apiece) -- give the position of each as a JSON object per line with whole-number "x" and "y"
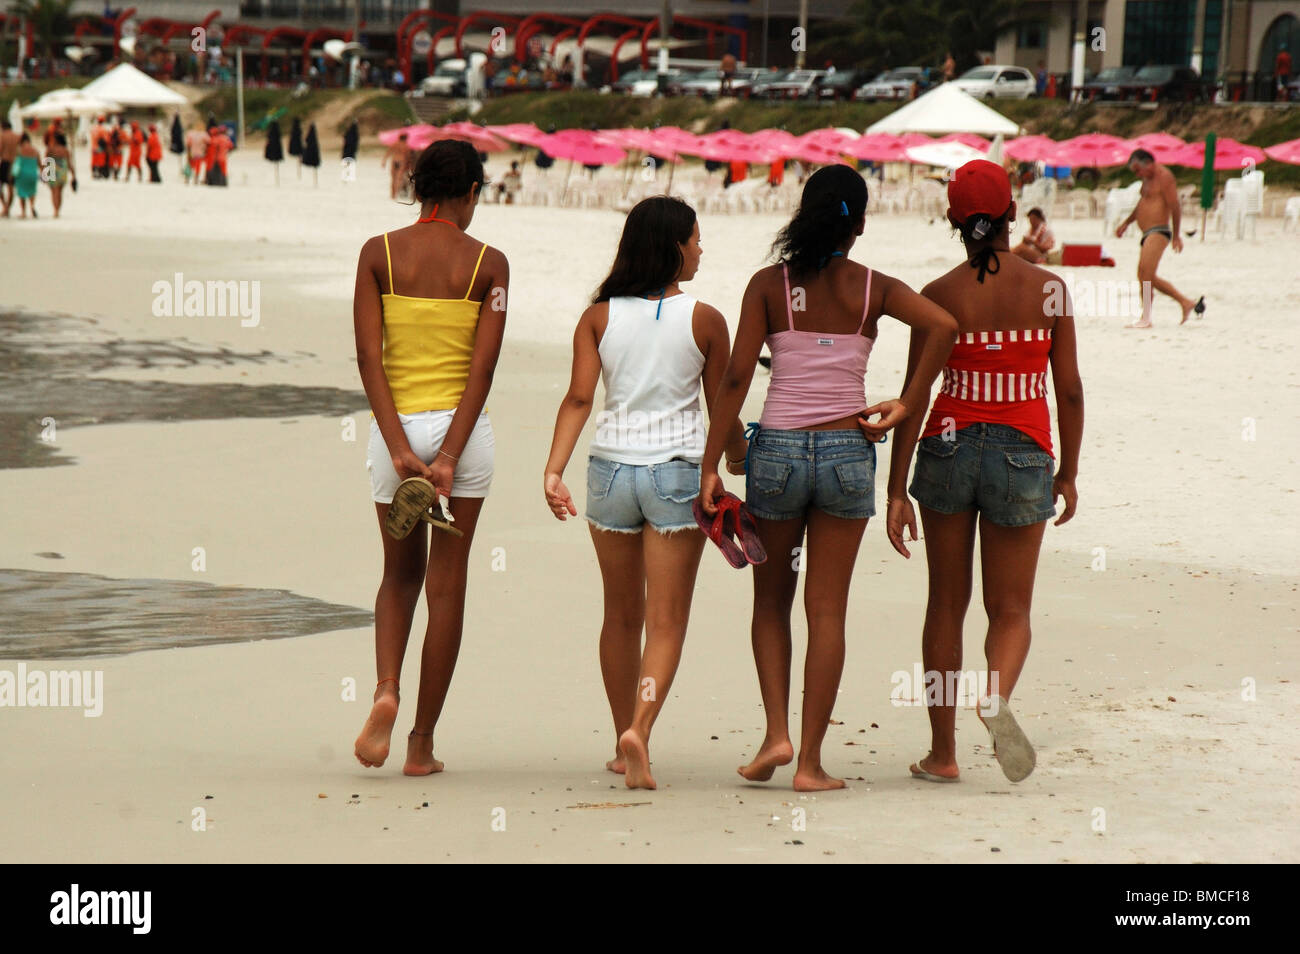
{"x": 844, "y": 208}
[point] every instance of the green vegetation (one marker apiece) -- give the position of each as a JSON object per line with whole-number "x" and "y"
{"x": 259, "y": 102}
{"x": 28, "y": 91}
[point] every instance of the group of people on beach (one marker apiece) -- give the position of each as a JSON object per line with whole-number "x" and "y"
{"x": 207, "y": 150}
{"x": 22, "y": 168}
{"x": 985, "y": 462}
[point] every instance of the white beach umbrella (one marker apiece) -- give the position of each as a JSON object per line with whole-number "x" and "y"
{"x": 950, "y": 155}
{"x": 69, "y": 102}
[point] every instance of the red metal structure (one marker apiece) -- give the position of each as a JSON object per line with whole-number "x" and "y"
{"x": 483, "y": 16}
{"x": 603, "y": 19}
{"x": 711, "y": 30}
{"x": 413, "y": 23}
{"x": 118, "y": 22}
{"x": 534, "y": 24}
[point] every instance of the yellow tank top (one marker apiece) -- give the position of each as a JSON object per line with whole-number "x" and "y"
{"x": 428, "y": 343}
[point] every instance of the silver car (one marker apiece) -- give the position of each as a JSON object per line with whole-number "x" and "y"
{"x": 997, "y": 82}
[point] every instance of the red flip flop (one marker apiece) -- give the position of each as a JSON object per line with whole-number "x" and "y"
{"x": 746, "y": 531}
{"x": 719, "y": 529}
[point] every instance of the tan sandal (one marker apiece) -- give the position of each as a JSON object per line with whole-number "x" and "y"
{"x": 411, "y": 503}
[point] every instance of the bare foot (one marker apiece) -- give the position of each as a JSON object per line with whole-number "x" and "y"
{"x": 1142, "y": 324}
{"x": 616, "y": 765}
{"x": 419, "y": 755}
{"x": 372, "y": 744}
{"x": 931, "y": 769}
{"x": 771, "y": 756}
{"x": 1187, "y": 311}
{"x": 637, "y": 758}
{"x": 815, "y": 780}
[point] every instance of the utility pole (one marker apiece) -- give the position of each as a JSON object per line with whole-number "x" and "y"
{"x": 1198, "y": 37}
{"x": 665, "y": 29}
{"x": 800, "y": 55}
{"x": 767, "y": 6}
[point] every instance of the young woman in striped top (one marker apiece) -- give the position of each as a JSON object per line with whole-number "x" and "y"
{"x": 985, "y": 461}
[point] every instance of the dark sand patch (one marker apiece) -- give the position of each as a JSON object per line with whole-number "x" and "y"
{"x": 58, "y": 615}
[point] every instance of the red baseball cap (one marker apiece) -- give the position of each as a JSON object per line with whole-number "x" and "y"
{"x": 979, "y": 186}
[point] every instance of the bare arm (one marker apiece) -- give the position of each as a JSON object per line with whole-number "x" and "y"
{"x": 711, "y": 330}
{"x": 1175, "y": 210}
{"x": 939, "y": 331}
{"x": 574, "y": 410}
{"x": 731, "y": 392}
{"x": 368, "y": 328}
{"x": 1069, "y": 409}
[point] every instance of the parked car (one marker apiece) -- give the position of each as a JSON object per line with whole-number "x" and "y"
{"x": 840, "y": 85}
{"x": 892, "y": 84}
{"x": 797, "y": 84}
{"x": 997, "y": 82}
{"x": 709, "y": 83}
{"x": 643, "y": 82}
{"x": 765, "y": 78}
{"x": 1168, "y": 83}
{"x": 447, "y": 80}
{"x": 1108, "y": 84}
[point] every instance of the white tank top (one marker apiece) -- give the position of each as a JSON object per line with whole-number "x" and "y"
{"x": 651, "y": 369}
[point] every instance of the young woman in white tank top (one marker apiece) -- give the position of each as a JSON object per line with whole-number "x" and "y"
{"x": 654, "y": 347}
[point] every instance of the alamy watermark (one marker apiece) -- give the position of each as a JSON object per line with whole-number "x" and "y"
{"x": 179, "y": 298}
{"x": 1100, "y": 298}
{"x": 623, "y": 428}
{"x": 53, "y": 689}
{"x": 934, "y": 688}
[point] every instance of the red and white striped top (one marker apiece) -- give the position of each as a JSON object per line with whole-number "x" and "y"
{"x": 996, "y": 377}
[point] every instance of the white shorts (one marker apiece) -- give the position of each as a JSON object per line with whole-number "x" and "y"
{"x": 425, "y": 432}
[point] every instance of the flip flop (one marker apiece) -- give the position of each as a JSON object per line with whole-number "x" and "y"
{"x": 719, "y": 528}
{"x": 924, "y": 776}
{"x": 1010, "y": 744}
{"x": 746, "y": 531}
{"x": 411, "y": 502}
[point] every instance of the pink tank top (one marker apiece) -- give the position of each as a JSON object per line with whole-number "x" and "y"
{"x": 816, "y": 376}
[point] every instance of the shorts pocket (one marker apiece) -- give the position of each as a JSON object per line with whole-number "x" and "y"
{"x": 677, "y": 481}
{"x": 857, "y": 477}
{"x": 600, "y": 477}
{"x": 935, "y": 459}
{"x": 1029, "y": 477}
{"x": 767, "y": 478}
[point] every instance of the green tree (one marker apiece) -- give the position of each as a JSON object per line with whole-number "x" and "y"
{"x": 51, "y": 22}
{"x": 890, "y": 33}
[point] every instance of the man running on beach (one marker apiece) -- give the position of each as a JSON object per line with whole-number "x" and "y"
{"x": 1157, "y": 206}
{"x": 398, "y": 160}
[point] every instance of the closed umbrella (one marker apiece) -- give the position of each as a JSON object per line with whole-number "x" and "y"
{"x": 351, "y": 140}
{"x": 1208, "y": 152}
{"x": 311, "y": 154}
{"x": 177, "y": 144}
{"x": 295, "y": 142}
{"x": 274, "y": 150}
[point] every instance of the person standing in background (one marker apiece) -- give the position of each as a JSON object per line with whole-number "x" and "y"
{"x": 135, "y": 142}
{"x": 153, "y": 153}
{"x": 1282, "y": 70}
{"x": 8, "y": 153}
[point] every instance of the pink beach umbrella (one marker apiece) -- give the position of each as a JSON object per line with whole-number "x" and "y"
{"x": 1161, "y": 145}
{"x": 523, "y": 134}
{"x": 390, "y": 136}
{"x": 1090, "y": 149}
{"x": 729, "y": 146}
{"x": 829, "y": 138}
{"x": 885, "y": 147}
{"x": 1029, "y": 148}
{"x": 1285, "y": 152}
{"x": 968, "y": 139}
{"x": 578, "y": 145}
{"x": 1228, "y": 154}
{"x": 476, "y": 136}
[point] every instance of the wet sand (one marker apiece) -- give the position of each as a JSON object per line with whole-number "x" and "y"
{"x": 1136, "y": 693}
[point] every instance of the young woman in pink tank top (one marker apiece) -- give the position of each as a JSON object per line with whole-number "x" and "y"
{"x": 811, "y": 466}
{"x": 984, "y": 463}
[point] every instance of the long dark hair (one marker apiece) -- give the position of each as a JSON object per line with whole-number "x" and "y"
{"x": 977, "y": 234}
{"x": 649, "y": 256}
{"x": 834, "y": 199}
{"x": 447, "y": 169}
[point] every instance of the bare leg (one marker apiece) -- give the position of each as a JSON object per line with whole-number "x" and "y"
{"x": 949, "y": 554}
{"x": 1008, "y": 561}
{"x": 445, "y": 595}
{"x": 832, "y": 550}
{"x": 671, "y": 563}
{"x": 1153, "y": 247}
{"x": 399, "y": 591}
{"x": 774, "y": 587}
{"x": 622, "y": 571}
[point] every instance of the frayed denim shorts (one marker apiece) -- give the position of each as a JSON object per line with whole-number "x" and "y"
{"x": 790, "y": 471}
{"x": 995, "y": 469}
{"x": 623, "y": 498}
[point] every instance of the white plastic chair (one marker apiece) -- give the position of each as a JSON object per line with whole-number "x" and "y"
{"x": 1119, "y": 203}
{"x": 1291, "y": 214}
{"x": 1252, "y": 187}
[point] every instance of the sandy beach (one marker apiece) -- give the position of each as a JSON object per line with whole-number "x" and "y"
{"x": 1161, "y": 690}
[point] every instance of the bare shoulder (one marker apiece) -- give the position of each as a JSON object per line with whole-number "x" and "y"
{"x": 706, "y": 315}
{"x": 495, "y": 260}
{"x": 595, "y": 316}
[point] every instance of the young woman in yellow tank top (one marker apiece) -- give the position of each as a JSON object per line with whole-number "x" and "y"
{"x": 429, "y": 314}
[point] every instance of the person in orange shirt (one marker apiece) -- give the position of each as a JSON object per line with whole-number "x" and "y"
{"x": 776, "y": 175}
{"x": 99, "y": 150}
{"x": 210, "y": 160}
{"x": 196, "y": 147}
{"x": 135, "y": 141}
{"x": 117, "y": 137}
{"x": 737, "y": 171}
{"x": 217, "y": 153}
{"x": 153, "y": 153}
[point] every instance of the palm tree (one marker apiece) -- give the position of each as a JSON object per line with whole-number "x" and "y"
{"x": 51, "y": 21}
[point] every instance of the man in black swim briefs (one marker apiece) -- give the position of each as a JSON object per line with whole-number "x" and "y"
{"x": 1157, "y": 208}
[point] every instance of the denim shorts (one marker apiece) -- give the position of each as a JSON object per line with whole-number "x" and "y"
{"x": 624, "y": 497}
{"x": 791, "y": 471}
{"x": 992, "y": 468}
